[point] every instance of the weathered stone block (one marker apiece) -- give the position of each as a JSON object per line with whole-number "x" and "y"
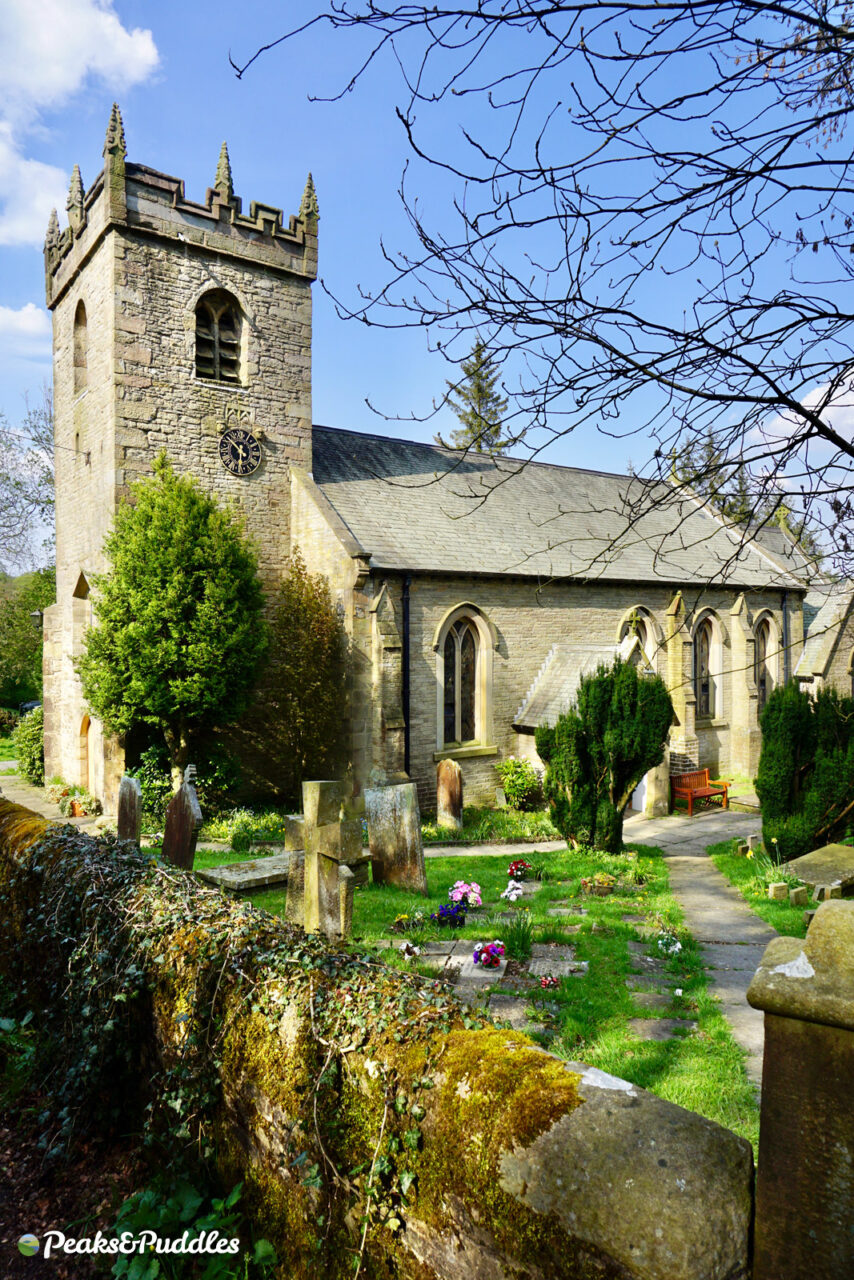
{"x": 322, "y": 801}
{"x": 778, "y": 891}
{"x": 805, "y": 1188}
{"x": 295, "y": 900}
{"x": 394, "y": 836}
{"x": 129, "y": 822}
{"x": 798, "y": 896}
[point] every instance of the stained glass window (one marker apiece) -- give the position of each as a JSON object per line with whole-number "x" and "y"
{"x": 704, "y": 689}
{"x": 460, "y": 683}
{"x": 763, "y": 681}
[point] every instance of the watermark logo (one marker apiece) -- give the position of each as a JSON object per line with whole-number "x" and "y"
{"x": 207, "y": 1242}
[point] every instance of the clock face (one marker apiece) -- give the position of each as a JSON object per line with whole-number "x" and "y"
{"x": 239, "y": 451}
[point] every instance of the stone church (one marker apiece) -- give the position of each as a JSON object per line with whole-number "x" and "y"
{"x": 475, "y": 591}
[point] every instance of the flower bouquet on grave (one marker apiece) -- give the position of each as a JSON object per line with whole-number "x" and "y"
{"x": 453, "y": 917}
{"x": 489, "y": 955}
{"x": 466, "y": 894}
{"x": 548, "y": 982}
{"x": 601, "y": 884}
{"x": 519, "y": 869}
{"x": 513, "y": 891}
{"x": 407, "y": 923}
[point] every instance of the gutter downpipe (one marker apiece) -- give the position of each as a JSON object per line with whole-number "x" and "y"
{"x": 787, "y": 665}
{"x": 407, "y": 583}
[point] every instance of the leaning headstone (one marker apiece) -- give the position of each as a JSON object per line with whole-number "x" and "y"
{"x": 394, "y": 836}
{"x": 130, "y": 809}
{"x": 183, "y": 820}
{"x": 798, "y": 896}
{"x": 778, "y": 891}
{"x": 333, "y": 846}
{"x": 449, "y": 795}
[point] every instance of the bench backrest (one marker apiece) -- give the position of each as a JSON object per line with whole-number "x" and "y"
{"x": 699, "y": 778}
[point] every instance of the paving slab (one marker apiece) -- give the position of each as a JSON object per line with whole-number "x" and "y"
{"x": 544, "y": 951}
{"x": 471, "y": 974}
{"x": 652, "y": 999}
{"x": 563, "y": 912}
{"x": 660, "y": 1029}
{"x": 649, "y": 981}
{"x": 258, "y": 873}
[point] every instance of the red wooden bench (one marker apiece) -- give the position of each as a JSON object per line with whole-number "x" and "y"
{"x": 696, "y": 786}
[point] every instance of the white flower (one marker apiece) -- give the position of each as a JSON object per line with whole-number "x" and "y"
{"x": 678, "y": 991}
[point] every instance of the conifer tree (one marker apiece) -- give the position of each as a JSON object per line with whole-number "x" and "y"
{"x": 179, "y": 626}
{"x": 478, "y": 405}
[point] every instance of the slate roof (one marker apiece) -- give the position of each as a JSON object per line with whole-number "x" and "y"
{"x": 425, "y": 508}
{"x": 825, "y": 608}
{"x": 556, "y": 685}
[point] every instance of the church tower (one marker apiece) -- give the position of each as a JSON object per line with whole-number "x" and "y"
{"x": 177, "y": 326}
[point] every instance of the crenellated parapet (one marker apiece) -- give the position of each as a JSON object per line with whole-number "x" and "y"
{"x": 135, "y": 198}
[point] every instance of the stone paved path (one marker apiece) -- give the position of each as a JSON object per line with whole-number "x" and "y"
{"x": 732, "y": 939}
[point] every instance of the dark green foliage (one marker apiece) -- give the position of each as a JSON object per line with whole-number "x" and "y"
{"x": 29, "y": 746}
{"x": 180, "y": 631}
{"x": 477, "y": 404}
{"x": 217, "y": 777}
{"x": 21, "y": 636}
{"x": 599, "y": 751}
{"x": 805, "y": 780}
{"x": 295, "y": 728}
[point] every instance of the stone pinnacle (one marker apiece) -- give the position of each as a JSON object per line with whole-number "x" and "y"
{"x": 51, "y": 240}
{"x": 308, "y": 204}
{"x": 75, "y": 190}
{"x": 114, "y": 143}
{"x": 223, "y": 184}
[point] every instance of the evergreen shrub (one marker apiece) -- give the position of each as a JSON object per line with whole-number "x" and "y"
{"x": 805, "y": 779}
{"x": 599, "y": 750}
{"x": 521, "y": 783}
{"x": 29, "y": 746}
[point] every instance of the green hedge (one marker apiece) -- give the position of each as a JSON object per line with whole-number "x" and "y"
{"x": 29, "y": 746}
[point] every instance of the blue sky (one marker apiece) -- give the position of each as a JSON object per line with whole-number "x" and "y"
{"x": 167, "y": 65}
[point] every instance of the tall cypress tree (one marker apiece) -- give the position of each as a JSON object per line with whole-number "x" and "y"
{"x": 478, "y": 405}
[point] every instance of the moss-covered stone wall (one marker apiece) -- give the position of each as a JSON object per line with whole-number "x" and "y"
{"x": 378, "y": 1125}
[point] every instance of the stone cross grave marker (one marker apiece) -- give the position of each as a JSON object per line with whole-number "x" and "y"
{"x": 333, "y": 859}
{"x": 394, "y": 835}
{"x": 449, "y": 795}
{"x": 183, "y": 820}
{"x": 130, "y": 809}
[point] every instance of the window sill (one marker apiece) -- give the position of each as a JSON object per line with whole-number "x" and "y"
{"x": 464, "y": 753}
{"x": 710, "y": 722}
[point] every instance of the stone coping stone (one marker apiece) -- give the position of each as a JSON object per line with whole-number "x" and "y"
{"x": 812, "y": 978}
{"x": 556, "y": 968}
{"x": 660, "y": 1029}
{"x": 259, "y": 873}
{"x": 831, "y": 865}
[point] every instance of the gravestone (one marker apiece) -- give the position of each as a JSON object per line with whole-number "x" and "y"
{"x": 295, "y": 900}
{"x": 333, "y": 858}
{"x": 829, "y": 867}
{"x": 129, "y": 821}
{"x": 394, "y": 835}
{"x": 449, "y": 795}
{"x": 183, "y": 820}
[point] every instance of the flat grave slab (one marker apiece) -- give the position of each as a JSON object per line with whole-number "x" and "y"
{"x": 556, "y": 968}
{"x": 659, "y": 1029}
{"x": 508, "y": 1009}
{"x": 242, "y": 877}
{"x": 565, "y": 911}
{"x": 833, "y": 864}
{"x": 652, "y": 999}
{"x": 646, "y": 981}
{"x": 471, "y": 974}
{"x": 543, "y": 951}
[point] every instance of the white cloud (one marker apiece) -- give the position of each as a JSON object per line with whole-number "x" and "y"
{"x": 50, "y": 48}
{"x": 31, "y": 189}
{"x": 25, "y": 332}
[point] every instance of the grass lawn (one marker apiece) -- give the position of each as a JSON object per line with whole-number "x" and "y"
{"x": 7, "y": 749}
{"x": 752, "y": 885}
{"x": 703, "y": 1071}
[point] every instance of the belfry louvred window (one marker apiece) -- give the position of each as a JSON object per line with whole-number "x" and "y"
{"x": 218, "y": 338}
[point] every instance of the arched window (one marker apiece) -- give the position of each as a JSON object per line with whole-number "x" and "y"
{"x": 704, "y": 685}
{"x": 464, "y": 642}
{"x": 762, "y": 647}
{"x": 461, "y": 645}
{"x": 218, "y": 326}
{"x": 637, "y": 624}
{"x": 81, "y": 349}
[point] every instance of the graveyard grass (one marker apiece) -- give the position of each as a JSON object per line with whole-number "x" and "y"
{"x": 744, "y": 875}
{"x": 7, "y": 749}
{"x": 703, "y": 1071}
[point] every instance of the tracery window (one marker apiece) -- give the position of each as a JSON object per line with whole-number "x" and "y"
{"x": 764, "y": 682}
{"x": 460, "y": 683}
{"x": 218, "y": 325}
{"x": 704, "y": 686}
